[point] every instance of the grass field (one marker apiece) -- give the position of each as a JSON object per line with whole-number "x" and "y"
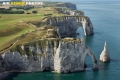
{"x": 14, "y": 25}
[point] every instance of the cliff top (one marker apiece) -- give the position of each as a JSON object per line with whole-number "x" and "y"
{"x": 20, "y": 29}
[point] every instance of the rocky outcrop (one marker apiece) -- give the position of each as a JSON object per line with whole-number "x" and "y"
{"x": 68, "y": 5}
{"x": 104, "y": 56}
{"x": 69, "y": 24}
{"x": 70, "y": 12}
{"x": 66, "y": 55}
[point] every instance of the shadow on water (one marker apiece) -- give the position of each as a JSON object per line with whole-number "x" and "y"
{"x": 104, "y": 66}
{"x": 95, "y": 75}
{"x": 98, "y": 33}
{"x": 11, "y": 76}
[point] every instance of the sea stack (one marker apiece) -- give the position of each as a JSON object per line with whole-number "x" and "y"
{"x": 104, "y": 57}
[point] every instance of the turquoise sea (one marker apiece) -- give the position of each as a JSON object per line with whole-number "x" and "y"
{"x": 105, "y": 16}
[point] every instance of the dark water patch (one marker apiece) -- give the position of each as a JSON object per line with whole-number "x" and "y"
{"x": 11, "y": 76}
{"x": 115, "y": 60}
{"x": 98, "y": 33}
{"x": 104, "y": 66}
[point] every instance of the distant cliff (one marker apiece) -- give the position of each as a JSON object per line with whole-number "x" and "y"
{"x": 68, "y": 5}
{"x": 70, "y": 12}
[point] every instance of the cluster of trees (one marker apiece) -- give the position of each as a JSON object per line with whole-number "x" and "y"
{"x": 34, "y": 12}
{"x": 11, "y": 12}
{"x": 17, "y": 11}
{"x": 27, "y": 7}
{"x": 6, "y": 11}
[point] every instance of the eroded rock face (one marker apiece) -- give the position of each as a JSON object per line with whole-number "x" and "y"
{"x": 65, "y": 56}
{"x": 104, "y": 56}
{"x": 34, "y": 62}
{"x": 68, "y": 25}
{"x": 70, "y": 57}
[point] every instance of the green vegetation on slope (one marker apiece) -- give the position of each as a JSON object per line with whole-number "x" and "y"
{"x": 14, "y": 25}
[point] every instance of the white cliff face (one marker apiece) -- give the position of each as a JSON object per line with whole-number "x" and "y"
{"x": 70, "y": 56}
{"x": 104, "y": 56}
{"x": 87, "y": 27}
{"x": 40, "y": 60}
{"x": 68, "y": 25}
{"x": 64, "y": 57}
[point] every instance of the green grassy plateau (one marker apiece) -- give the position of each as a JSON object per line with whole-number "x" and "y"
{"x": 14, "y": 25}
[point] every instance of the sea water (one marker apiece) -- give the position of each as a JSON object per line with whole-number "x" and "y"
{"x": 105, "y": 16}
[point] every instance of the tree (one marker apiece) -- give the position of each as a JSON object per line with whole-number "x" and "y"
{"x": 34, "y": 12}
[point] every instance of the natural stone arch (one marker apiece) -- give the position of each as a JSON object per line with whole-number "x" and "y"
{"x": 80, "y": 32}
{"x": 69, "y": 24}
{"x": 89, "y": 52}
{"x": 72, "y": 57}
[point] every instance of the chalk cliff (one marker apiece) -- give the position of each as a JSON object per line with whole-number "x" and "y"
{"x": 72, "y": 57}
{"x": 65, "y": 55}
{"x": 46, "y": 49}
{"x": 69, "y": 24}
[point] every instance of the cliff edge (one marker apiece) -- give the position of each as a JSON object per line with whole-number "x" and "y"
{"x": 62, "y": 55}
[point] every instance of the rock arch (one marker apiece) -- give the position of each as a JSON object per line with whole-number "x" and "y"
{"x": 72, "y": 57}
{"x": 89, "y": 52}
{"x": 69, "y": 24}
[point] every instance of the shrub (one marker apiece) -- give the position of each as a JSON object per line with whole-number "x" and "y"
{"x": 28, "y": 13}
{"x": 47, "y": 14}
{"x": 34, "y": 12}
{"x": 11, "y": 12}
